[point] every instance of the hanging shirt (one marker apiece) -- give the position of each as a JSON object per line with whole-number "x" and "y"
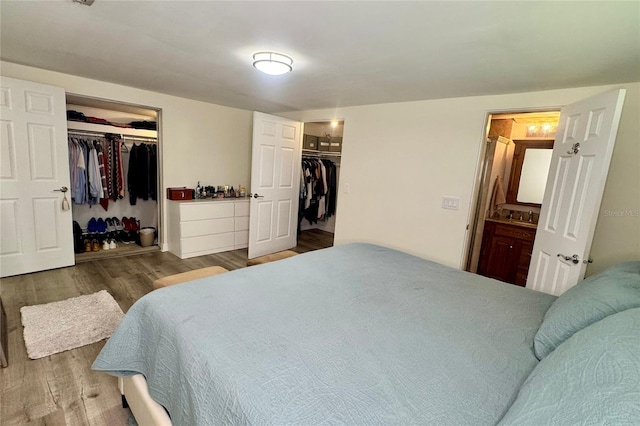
{"x": 95, "y": 180}
{"x": 81, "y": 180}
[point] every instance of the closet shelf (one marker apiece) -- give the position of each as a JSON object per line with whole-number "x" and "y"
{"x": 317, "y": 153}
{"x": 105, "y": 128}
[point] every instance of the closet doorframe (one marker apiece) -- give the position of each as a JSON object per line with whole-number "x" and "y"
{"x": 339, "y": 162}
{"x": 102, "y": 103}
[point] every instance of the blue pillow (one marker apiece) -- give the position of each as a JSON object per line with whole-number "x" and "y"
{"x": 613, "y": 290}
{"x": 592, "y": 378}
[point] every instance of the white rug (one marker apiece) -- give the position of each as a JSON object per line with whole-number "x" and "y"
{"x": 68, "y": 324}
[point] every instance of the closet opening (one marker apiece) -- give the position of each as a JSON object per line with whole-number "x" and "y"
{"x": 319, "y": 177}
{"x": 114, "y": 160}
{"x": 512, "y": 178}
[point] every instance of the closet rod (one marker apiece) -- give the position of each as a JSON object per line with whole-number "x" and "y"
{"x": 140, "y": 138}
{"x": 147, "y": 139}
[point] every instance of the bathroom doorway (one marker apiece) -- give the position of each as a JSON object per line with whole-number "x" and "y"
{"x": 517, "y": 152}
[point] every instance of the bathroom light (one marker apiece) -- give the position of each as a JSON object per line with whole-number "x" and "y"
{"x": 272, "y": 63}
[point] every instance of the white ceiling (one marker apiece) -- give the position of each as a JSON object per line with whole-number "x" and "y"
{"x": 345, "y": 53}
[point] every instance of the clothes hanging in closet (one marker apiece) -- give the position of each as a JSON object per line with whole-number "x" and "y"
{"x": 113, "y": 170}
{"x": 97, "y": 174}
{"x": 318, "y": 184}
{"x": 87, "y": 172}
{"x": 142, "y": 175}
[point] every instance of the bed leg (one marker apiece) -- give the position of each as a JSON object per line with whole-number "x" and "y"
{"x": 125, "y": 404}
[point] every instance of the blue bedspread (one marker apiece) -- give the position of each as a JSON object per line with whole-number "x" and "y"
{"x": 355, "y": 334}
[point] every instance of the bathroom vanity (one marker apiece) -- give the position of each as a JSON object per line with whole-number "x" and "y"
{"x": 506, "y": 250}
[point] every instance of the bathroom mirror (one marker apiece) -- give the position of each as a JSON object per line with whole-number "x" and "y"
{"x": 529, "y": 170}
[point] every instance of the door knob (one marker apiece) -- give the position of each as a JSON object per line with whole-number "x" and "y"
{"x": 258, "y": 196}
{"x": 575, "y": 258}
{"x": 62, "y": 189}
{"x": 574, "y": 149}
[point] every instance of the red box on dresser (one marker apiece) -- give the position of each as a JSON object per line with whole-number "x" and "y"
{"x": 179, "y": 193}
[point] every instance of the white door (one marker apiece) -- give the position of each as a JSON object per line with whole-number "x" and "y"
{"x": 275, "y": 183}
{"x": 579, "y": 165}
{"x": 36, "y": 234}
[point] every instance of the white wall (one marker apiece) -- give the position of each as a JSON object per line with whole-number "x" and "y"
{"x": 400, "y": 159}
{"x": 200, "y": 141}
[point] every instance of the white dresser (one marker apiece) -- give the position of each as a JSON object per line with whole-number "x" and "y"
{"x": 199, "y": 227}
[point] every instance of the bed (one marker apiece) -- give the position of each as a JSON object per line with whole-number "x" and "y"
{"x": 362, "y": 334}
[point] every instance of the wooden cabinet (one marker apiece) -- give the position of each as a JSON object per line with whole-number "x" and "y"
{"x": 506, "y": 251}
{"x": 197, "y": 227}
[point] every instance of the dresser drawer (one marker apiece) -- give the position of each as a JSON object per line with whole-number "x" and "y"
{"x": 200, "y": 211}
{"x": 242, "y": 239}
{"x": 515, "y": 232}
{"x": 242, "y": 208}
{"x": 208, "y": 243}
{"x": 206, "y": 227}
{"x": 241, "y": 223}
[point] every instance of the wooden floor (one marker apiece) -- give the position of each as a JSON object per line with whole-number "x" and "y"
{"x": 61, "y": 389}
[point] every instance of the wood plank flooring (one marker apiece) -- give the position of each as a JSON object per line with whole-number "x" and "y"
{"x": 62, "y": 389}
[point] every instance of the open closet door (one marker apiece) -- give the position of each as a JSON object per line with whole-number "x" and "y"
{"x": 35, "y": 232}
{"x": 579, "y": 165}
{"x": 275, "y": 183}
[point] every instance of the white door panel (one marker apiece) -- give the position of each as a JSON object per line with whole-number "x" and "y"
{"x": 579, "y": 166}
{"x": 264, "y": 211}
{"x": 284, "y": 219}
{"x": 274, "y": 178}
{"x": 7, "y": 151}
{"x": 11, "y": 244}
{"x": 35, "y": 233}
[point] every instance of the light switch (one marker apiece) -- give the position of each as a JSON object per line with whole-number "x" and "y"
{"x": 450, "y": 203}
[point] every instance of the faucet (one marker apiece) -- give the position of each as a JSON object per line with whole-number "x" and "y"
{"x": 530, "y": 216}
{"x": 520, "y": 218}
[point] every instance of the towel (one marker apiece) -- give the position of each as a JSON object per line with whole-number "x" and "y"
{"x": 497, "y": 198}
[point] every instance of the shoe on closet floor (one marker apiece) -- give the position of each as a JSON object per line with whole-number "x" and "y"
{"x": 133, "y": 233}
{"x": 87, "y": 245}
{"x": 105, "y": 245}
{"x": 78, "y": 241}
{"x": 119, "y": 229}
{"x": 95, "y": 245}
{"x": 101, "y": 225}
{"x": 112, "y": 245}
{"x": 110, "y": 227}
{"x": 92, "y": 226}
{"x": 131, "y": 228}
{"x": 126, "y": 229}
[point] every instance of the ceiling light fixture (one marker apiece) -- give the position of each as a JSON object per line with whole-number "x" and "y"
{"x": 272, "y": 63}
